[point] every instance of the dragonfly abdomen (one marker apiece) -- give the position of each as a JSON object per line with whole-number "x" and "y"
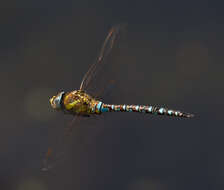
{"x": 100, "y": 107}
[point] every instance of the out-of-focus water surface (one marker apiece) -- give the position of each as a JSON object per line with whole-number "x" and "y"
{"x": 172, "y": 55}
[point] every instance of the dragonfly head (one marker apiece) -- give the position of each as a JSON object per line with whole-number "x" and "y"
{"x": 56, "y": 101}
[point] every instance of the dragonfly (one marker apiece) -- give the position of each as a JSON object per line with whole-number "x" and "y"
{"x": 80, "y": 103}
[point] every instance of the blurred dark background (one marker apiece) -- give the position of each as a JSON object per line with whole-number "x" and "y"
{"x": 172, "y": 55}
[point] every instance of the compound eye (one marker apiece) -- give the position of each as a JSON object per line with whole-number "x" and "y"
{"x": 57, "y": 100}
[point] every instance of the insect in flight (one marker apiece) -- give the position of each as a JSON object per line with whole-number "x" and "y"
{"x": 81, "y": 104}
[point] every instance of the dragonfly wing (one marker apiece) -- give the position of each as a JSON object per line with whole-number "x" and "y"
{"x": 56, "y": 153}
{"x": 104, "y": 52}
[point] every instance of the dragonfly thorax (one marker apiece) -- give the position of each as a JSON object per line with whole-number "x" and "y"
{"x": 78, "y": 102}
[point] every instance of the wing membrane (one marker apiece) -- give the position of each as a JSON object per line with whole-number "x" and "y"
{"x": 104, "y": 52}
{"x": 56, "y": 152}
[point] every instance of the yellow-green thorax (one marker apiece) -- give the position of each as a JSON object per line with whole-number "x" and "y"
{"x": 78, "y": 102}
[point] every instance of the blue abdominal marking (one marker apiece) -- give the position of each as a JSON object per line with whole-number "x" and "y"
{"x": 98, "y": 106}
{"x": 150, "y": 109}
{"x": 161, "y": 110}
{"x": 117, "y": 108}
{"x": 103, "y": 109}
{"x": 128, "y": 109}
{"x": 170, "y": 112}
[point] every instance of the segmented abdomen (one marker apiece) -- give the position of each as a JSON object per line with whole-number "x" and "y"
{"x": 101, "y": 107}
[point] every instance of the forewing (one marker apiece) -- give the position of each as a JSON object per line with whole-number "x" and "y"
{"x": 89, "y": 79}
